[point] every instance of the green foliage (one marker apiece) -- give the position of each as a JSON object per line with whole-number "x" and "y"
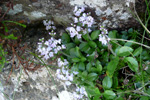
{"x": 96, "y": 62}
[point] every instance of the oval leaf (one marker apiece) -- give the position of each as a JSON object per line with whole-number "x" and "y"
{"x": 109, "y": 94}
{"x": 124, "y": 51}
{"x": 138, "y": 51}
{"x": 95, "y": 34}
{"x": 81, "y": 66}
{"x": 107, "y": 82}
{"x": 112, "y": 65}
{"x": 132, "y": 63}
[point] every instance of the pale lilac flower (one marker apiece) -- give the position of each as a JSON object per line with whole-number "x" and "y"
{"x": 78, "y": 89}
{"x": 63, "y": 47}
{"x": 48, "y": 27}
{"x": 46, "y": 56}
{"x": 79, "y": 36}
{"x": 68, "y": 83}
{"x": 60, "y": 63}
{"x": 78, "y": 28}
{"x": 59, "y": 76}
{"x": 78, "y": 11}
{"x": 64, "y": 71}
{"x": 90, "y": 21}
{"x": 103, "y": 39}
{"x": 75, "y": 9}
{"x": 76, "y": 95}
{"x": 66, "y": 62}
{"x": 51, "y": 54}
{"x": 75, "y": 20}
{"x": 89, "y": 30}
{"x": 70, "y": 78}
{"x": 58, "y": 71}
{"x": 75, "y": 72}
{"x": 72, "y": 31}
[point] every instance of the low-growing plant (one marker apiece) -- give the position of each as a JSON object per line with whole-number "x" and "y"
{"x": 104, "y": 65}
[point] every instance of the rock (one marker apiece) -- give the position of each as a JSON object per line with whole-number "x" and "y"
{"x": 109, "y": 13}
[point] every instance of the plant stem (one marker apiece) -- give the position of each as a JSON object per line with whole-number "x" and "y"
{"x": 132, "y": 42}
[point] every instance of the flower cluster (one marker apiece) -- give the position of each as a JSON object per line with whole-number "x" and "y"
{"x": 80, "y": 93}
{"x": 50, "y": 26}
{"x": 103, "y": 37}
{"x": 64, "y": 73}
{"x": 50, "y": 47}
{"x": 83, "y": 22}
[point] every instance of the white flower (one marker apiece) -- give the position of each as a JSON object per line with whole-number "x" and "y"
{"x": 68, "y": 83}
{"x": 64, "y": 71}
{"x": 72, "y": 31}
{"x": 75, "y": 72}
{"x": 70, "y": 78}
{"x": 58, "y": 71}
{"x": 77, "y": 89}
{"x": 75, "y": 9}
{"x": 78, "y": 28}
{"x": 75, "y": 20}
{"x": 46, "y": 56}
{"x": 51, "y": 54}
{"x": 104, "y": 39}
{"x": 65, "y": 62}
{"x": 60, "y": 63}
{"x": 79, "y": 36}
{"x": 63, "y": 47}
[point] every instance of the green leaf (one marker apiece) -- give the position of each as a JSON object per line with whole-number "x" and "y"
{"x": 11, "y": 36}
{"x": 70, "y": 45}
{"x": 85, "y": 37}
{"x": 95, "y": 34}
{"x": 83, "y": 59}
{"x": 124, "y": 51}
{"x": 132, "y": 63}
{"x": 84, "y": 46}
{"x": 91, "y": 57}
{"x": 77, "y": 40}
{"x": 130, "y": 30}
{"x": 137, "y": 51}
{"x": 115, "y": 82}
{"x": 74, "y": 52}
{"x": 98, "y": 66}
{"x": 75, "y": 59}
{"x": 23, "y": 25}
{"x": 107, "y": 82}
{"x": 144, "y": 98}
{"x": 112, "y": 34}
{"x": 109, "y": 94}
{"x": 84, "y": 75}
{"x": 92, "y": 76}
{"x": 81, "y": 66}
{"x": 97, "y": 97}
{"x": 111, "y": 67}
{"x": 65, "y": 38}
{"x": 88, "y": 67}
{"x": 92, "y": 91}
{"x": 92, "y": 44}
{"x": 129, "y": 44}
{"x": 89, "y": 50}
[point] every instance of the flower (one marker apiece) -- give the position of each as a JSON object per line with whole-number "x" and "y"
{"x": 72, "y": 31}
{"x": 68, "y": 83}
{"x": 75, "y": 20}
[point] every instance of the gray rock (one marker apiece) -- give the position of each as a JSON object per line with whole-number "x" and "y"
{"x": 109, "y": 13}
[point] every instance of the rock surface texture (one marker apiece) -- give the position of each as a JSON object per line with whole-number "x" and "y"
{"x": 110, "y": 13}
